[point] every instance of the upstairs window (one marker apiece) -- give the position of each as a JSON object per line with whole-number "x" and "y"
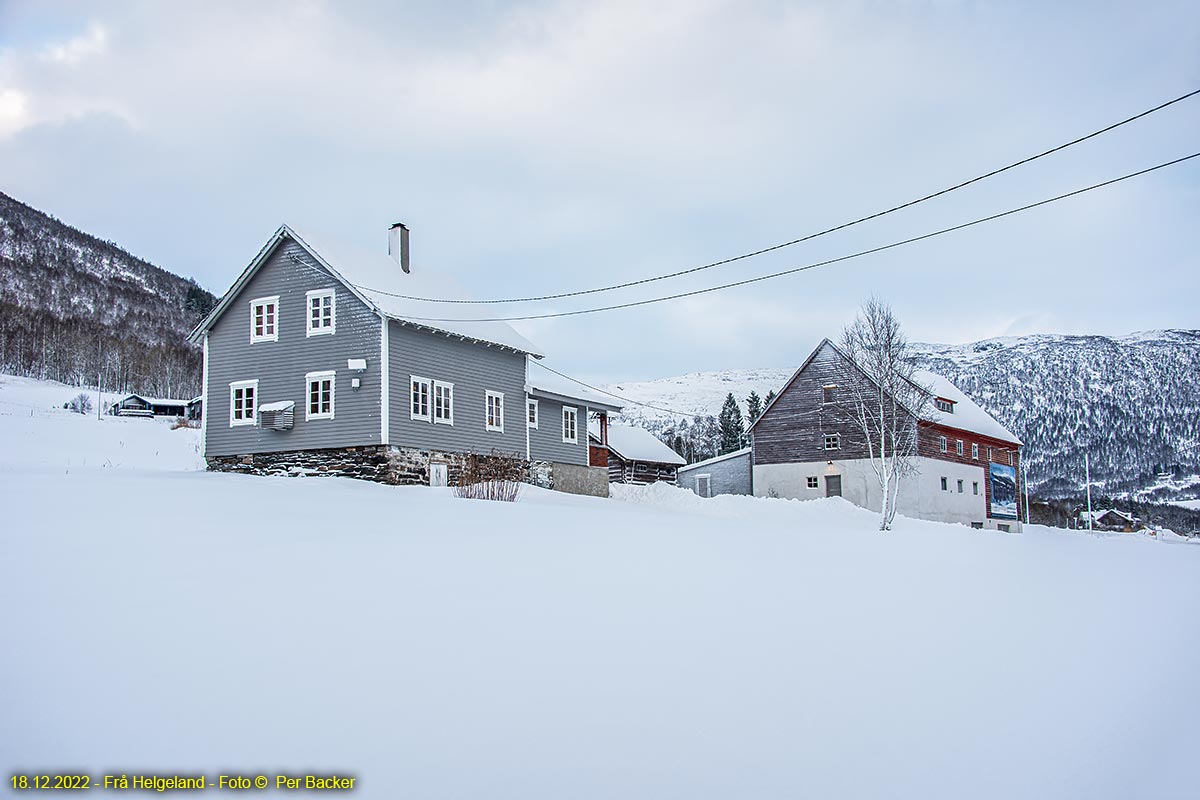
{"x": 833, "y": 441}
{"x": 829, "y": 394}
{"x": 419, "y": 394}
{"x": 975, "y": 451}
{"x": 531, "y": 409}
{"x": 443, "y": 403}
{"x": 322, "y": 312}
{"x": 320, "y": 395}
{"x": 942, "y": 443}
{"x": 264, "y": 319}
{"x": 958, "y": 446}
{"x": 944, "y": 405}
{"x": 494, "y": 409}
{"x": 243, "y": 403}
{"x": 570, "y": 425}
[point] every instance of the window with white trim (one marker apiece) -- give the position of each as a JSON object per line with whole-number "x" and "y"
{"x": 944, "y": 405}
{"x": 322, "y": 312}
{"x": 319, "y": 404}
{"x": 419, "y": 398}
{"x": 531, "y": 413}
{"x": 264, "y": 319}
{"x": 570, "y": 425}
{"x": 942, "y": 443}
{"x": 989, "y": 454}
{"x": 443, "y": 403}
{"x": 494, "y": 409}
{"x": 1010, "y": 457}
{"x": 243, "y": 403}
{"x": 812, "y": 482}
{"x": 975, "y": 451}
{"x": 833, "y": 441}
{"x": 958, "y": 447}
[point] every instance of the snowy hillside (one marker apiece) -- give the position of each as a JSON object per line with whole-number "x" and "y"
{"x": 73, "y": 306}
{"x": 657, "y": 645}
{"x": 1132, "y": 402}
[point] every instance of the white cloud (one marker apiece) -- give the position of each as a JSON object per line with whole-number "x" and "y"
{"x": 14, "y": 111}
{"x": 71, "y": 52}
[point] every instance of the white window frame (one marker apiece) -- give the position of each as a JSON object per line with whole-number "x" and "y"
{"x": 243, "y": 385}
{"x": 254, "y": 305}
{"x": 448, "y": 390}
{"x": 413, "y": 382}
{"x": 958, "y": 447}
{"x": 945, "y": 406}
{"x": 944, "y": 443}
{"x": 989, "y": 455}
{"x": 812, "y": 482}
{"x": 531, "y": 419}
{"x": 837, "y": 441}
{"x": 974, "y": 451}
{"x": 488, "y": 397}
{"x": 573, "y": 413}
{"x": 309, "y": 379}
{"x": 309, "y": 330}
{"x": 1010, "y": 463}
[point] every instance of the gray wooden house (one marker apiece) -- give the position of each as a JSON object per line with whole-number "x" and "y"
{"x": 136, "y": 405}
{"x": 318, "y": 361}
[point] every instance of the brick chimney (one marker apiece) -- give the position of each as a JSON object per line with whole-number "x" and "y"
{"x": 398, "y": 244}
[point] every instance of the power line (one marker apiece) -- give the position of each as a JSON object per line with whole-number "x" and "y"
{"x": 663, "y": 409}
{"x": 794, "y": 270}
{"x": 772, "y": 248}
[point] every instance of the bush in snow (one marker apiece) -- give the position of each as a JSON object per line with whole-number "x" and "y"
{"x": 80, "y": 403}
{"x": 493, "y": 477}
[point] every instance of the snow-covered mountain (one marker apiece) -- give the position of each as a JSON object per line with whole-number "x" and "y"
{"x": 73, "y": 306}
{"x": 1132, "y": 403}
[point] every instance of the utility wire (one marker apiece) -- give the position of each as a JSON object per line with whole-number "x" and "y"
{"x": 794, "y": 270}
{"x": 665, "y": 410}
{"x": 810, "y": 236}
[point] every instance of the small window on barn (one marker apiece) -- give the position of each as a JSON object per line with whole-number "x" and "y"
{"x": 531, "y": 408}
{"x": 570, "y": 425}
{"x": 829, "y": 394}
{"x": 494, "y": 409}
{"x": 944, "y": 405}
{"x": 812, "y": 482}
{"x": 640, "y": 468}
{"x": 243, "y": 402}
{"x": 264, "y": 319}
{"x": 443, "y": 403}
{"x": 945, "y": 485}
{"x": 419, "y": 394}
{"x": 975, "y": 451}
{"x": 958, "y": 447}
{"x": 320, "y": 395}
{"x": 322, "y": 313}
{"x": 833, "y": 441}
{"x": 942, "y": 443}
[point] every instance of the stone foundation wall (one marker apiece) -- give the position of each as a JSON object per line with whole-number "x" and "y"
{"x": 403, "y": 466}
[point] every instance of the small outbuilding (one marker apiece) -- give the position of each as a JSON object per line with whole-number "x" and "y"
{"x": 635, "y": 455}
{"x": 136, "y": 405}
{"x": 730, "y": 473}
{"x": 1111, "y": 520}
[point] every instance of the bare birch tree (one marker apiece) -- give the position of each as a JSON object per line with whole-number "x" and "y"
{"x": 885, "y": 401}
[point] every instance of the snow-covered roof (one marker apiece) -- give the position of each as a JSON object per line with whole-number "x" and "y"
{"x": 281, "y": 405}
{"x": 1097, "y": 514}
{"x": 967, "y": 415}
{"x": 745, "y": 451}
{"x": 377, "y": 279}
{"x": 632, "y": 443}
{"x": 154, "y": 401}
{"x": 542, "y": 382}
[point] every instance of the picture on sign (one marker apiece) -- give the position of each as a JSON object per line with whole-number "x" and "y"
{"x": 1004, "y": 491}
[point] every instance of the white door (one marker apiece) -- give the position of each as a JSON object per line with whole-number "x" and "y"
{"x": 439, "y": 474}
{"x": 704, "y": 485}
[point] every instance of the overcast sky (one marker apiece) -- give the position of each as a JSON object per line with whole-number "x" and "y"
{"x": 556, "y": 146}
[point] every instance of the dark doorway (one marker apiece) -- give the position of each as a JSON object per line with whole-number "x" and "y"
{"x": 833, "y": 485}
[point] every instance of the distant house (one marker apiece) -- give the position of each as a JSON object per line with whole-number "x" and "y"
{"x": 319, "y": 361}
{"x": 731, "y": 473}
{"x": 195, "y": 408}
{"x": 136, "y": 405}
{"x": 635, "y": 455}
{"x": 803, "y": 446}
{"x": 1111, "y": 520}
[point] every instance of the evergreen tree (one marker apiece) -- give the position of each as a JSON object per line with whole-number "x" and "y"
{"x": 754, "y": 407}
{"x": 770, "y": 396}
{"x": 732, "y": 426}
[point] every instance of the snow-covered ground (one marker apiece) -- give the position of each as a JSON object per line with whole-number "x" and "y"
{"x": 159, "y": 618}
